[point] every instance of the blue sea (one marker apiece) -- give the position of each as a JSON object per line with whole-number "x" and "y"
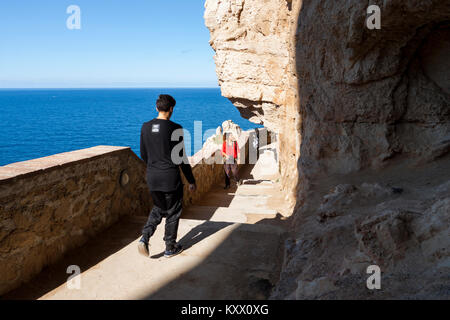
{"x": 40, "y": 122}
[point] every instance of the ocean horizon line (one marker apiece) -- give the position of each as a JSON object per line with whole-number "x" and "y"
{"x": 45, "y": 121}
{"x": 105, "y": 88}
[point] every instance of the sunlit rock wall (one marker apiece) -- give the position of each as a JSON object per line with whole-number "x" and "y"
{"x": 363, "y": 119}
{"x": 254, "y": 45}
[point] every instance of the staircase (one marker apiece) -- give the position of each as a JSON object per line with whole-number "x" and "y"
{"x": 233, "y": 242}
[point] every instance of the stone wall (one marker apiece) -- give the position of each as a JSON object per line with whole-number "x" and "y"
{"x": 53, "y": 204}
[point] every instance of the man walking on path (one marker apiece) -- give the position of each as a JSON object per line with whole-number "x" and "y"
{"x": 159, "y": 137}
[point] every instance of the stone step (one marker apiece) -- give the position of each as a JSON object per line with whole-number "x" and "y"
{"x": 221, "y": 260}
{"x": 256, "y": 191}
{"x": 236, "y": 201}
{"x": 225, "y": 214}
{"x": 258, "y": 186}
{"x": 214, "y": 214}
{"x": 256, "y": 182}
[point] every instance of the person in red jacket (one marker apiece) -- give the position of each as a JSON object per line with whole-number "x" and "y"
{"x": 230, "y": 153}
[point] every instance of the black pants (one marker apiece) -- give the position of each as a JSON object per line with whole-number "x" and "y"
{"x": 231, "y": 168}
{"x": 165, "y": 205}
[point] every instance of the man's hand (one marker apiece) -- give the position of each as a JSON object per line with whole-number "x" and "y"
{"x": 192, "y": 187}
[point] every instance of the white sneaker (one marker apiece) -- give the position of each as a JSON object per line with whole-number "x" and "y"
{"x": 143, "y": 249}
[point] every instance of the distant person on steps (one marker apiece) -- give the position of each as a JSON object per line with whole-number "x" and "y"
{"x": 230, "y": 153}
{"x": 163, "y": 175}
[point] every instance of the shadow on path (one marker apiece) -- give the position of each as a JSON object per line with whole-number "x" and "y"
{"x": 197, "y": 234}
{"x": 96, "y": 249}
{"x": 245, "y": 265}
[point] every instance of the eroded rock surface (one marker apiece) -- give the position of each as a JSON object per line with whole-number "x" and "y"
{"x": 363, "y": 123}
{"x": 392, "y": 219}
{"x": 255, "y": 60}
{"x": 368, "y": 96}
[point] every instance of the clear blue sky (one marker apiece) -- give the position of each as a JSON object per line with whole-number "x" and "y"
{"x": 126, "y": 43}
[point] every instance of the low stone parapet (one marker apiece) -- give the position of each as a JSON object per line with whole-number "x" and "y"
{"x": 51, "y": 205}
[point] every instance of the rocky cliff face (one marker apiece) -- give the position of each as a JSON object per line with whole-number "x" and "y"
{"x": 363, "y": 119}
{"x": 255, "y": 59}
{"x": 368, "y": 96}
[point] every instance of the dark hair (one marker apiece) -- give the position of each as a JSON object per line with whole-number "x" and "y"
{"x": 165, "y": 102}
{"x": 228, "y": 135}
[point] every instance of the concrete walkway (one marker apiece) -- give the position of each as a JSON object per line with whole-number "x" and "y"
{"x": 233, "y": 242}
